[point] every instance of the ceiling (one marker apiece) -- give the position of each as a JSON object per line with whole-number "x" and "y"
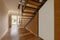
{"x": 11, "y": 4}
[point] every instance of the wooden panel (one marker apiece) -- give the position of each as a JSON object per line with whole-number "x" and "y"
{"x": 33, "y": 25}
{"x": 57, "y": 20}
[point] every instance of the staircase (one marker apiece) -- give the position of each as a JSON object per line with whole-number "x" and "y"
{"x": 29, "y": 8}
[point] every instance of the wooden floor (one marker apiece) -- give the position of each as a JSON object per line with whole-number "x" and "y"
{"x": 22, "y": 34}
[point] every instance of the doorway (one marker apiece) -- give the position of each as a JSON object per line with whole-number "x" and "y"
{"x": 15, "y": 20}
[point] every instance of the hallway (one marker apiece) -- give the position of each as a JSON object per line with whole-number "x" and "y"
{"x": 16, "y": 33}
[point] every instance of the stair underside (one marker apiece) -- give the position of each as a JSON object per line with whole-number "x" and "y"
{"x": 29, "y": 11}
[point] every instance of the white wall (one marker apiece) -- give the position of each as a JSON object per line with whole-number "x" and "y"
{"x": 3, "y": 19}
{"x": 46, "y": 21}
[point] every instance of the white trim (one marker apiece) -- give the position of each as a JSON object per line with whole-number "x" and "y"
{"x": 4, "y": 34}
{"x": 31, "y": 31}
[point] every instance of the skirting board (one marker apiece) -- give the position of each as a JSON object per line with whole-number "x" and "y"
{"x": 31, "y": 31}
{"x": 4, "y": 34}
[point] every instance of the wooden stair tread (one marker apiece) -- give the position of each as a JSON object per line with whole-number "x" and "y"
{"x": 33, "y": 6}
{"x": 23, "y": 20}
{"x": 30, "y": 7}
{"x": 33, "y": 2}
{"x": 27, "y": 9}
{"x": 27, "y": 14}
{"x": 26, "y": 17}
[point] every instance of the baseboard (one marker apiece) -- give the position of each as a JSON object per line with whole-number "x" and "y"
{"x": 31, "y": 31}
{"x": 4, "y": 34}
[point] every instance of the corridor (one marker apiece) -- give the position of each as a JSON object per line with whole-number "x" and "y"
{"x": 16, "y": 33}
